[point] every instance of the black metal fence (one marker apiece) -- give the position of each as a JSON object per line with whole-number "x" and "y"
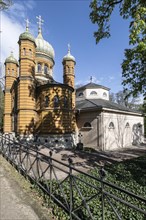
{"x": 79, "y": 194}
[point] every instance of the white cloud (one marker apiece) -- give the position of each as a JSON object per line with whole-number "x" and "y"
{"x": 111, "y": 78}
{"x": 12, "y": 25}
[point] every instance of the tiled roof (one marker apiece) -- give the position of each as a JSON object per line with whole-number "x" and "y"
{"x": 86, "y": 104}
{"x": 92, "y": 85}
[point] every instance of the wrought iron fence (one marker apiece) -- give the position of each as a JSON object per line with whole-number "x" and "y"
{"x": 80, "y": 194}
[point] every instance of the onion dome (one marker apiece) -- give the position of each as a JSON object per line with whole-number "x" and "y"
{"x": 68, "y": 56}
{"x": 27, "y": 35}
{"x": 44, "y": 47}
{"x": 11, "y": 59}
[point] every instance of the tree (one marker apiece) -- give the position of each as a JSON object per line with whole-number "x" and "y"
{"x": 134, "y": 64}
{"x": 5, "y": 4}
{"x": 122, "y": 99}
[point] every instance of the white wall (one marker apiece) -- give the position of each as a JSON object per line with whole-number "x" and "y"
{"x": 101, "y": 136}
{"x": 99, "y": 95}
{"x": 121, "y": 135}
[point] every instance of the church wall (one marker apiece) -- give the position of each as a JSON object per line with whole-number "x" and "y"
{"x": 90, "y": 136}
{"x": 100, "y": 94}
{"x": 125, "y": 130}
{"x": 55, "y": 120}
{"x": 109, "y": 130}
{"x": 26, "y": 106}
{"x": 26, "y": 89}
{"x": 42, "y": 60}
{"x": 10, "y": 74}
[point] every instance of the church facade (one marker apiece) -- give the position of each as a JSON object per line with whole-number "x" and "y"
{"x": 37, "y": 105}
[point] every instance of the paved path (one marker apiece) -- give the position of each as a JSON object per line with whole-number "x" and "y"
{"x": 14, "y": 203}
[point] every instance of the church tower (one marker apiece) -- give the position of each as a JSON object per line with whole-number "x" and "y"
{"x": 68, "y": 72}
{"x": 11, "y": 73}
{"x": 69, "y": 79}
{"x": 27, "y": 115}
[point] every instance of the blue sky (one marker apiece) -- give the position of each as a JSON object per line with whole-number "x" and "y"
{"x": 68, "y": 22}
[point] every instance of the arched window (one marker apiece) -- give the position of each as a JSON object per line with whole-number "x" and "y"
{"x": 56, "y": 101}
{"x": 46, "y": 101}
{"x": 87, "y": 125}
{"x": 12, "y": 71}
{"x": 111, "y": 125}
{"x": 45, "y": 69}
{"x": 127, "y": 125}
{"x": 24, "y": 51}
{"x": 104, "y": 94}
{"x": 39, "y": 67}
{"x": 40, "y": 102}
{"x": 30, "y": 52}
{"x": 93, "y": 93}
{"x": 8, "y": 71}
{"x": 81, "y": 94}
{"x": 65, "y": 102}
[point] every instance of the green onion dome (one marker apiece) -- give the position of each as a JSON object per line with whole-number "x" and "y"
{"x": 26, "y": 36}
{"x": 11, "y": 59}
{"x": 68, "y": 56}
{"x": 43, "y": 47}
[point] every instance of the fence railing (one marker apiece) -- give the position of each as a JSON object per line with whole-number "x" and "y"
{"x": 80, "y": 194}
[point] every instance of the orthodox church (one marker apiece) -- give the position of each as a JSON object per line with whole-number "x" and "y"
{"x": 37, "y": 105}
{"x": 34, "y": 102}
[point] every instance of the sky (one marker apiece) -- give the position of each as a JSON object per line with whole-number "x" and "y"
{"x": 67, "y": 21}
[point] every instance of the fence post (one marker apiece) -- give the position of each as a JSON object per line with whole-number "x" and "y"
{"x": 102, "y": 176}
{"x": 51, "y": 170}
{"x": 2, "y": 140}
{"x": 71, "y": 187}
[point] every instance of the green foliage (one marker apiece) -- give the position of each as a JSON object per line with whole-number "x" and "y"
{"x": 134, "y": 64}
{"x": 5, "y": 4}
{"x": 129, "y": 175}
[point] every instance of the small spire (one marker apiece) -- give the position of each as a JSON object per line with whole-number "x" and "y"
{"x": 27, "y": 24}
{"x": 12, "y": 54}
{"x": 40, "y": 22}
{"x": 91, "y": 78}
{"x": 68, "y": 48}
{"x": 11, "y": 51}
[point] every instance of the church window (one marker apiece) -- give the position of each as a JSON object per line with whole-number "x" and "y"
{"x": 127, "y": 125}
{"x": 46, "y": 101}
{"x": 45, "y": 69}
{"x": 104, "y": 94}
{"x": 39, "y": 67}
{"x": 111, "y": 125}
{"x": 80, "y": 94}
{"x": 56, "y": 101}
{"x": 24, "y": 51}
{"x": 13, "y": 103}
{"x": 12, "y": 71}
{"x": 87, "y": 125}
{"x": 93, "y": 93}
{"x": 30, "y": 52}
{"x": 8, "y": 71}
{"x": 65, "y": 102}
{"x": 40, "y": 102}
